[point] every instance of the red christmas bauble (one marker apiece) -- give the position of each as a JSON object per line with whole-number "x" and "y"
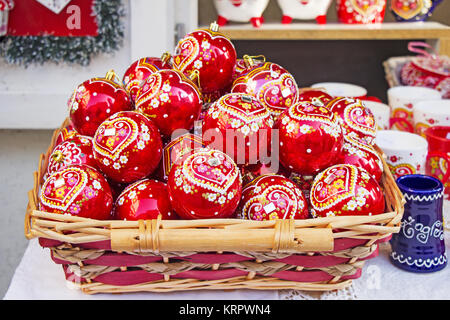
{"x": 144, "y": 200}
{"x": 318, "y": 98}
{"x": 273, "y": 86}
{"x": 65, "y": 133}
{"x": 176, "y": 150}
{"x": 127, "y": 147}
{"x": 271, "y": 197}
{"x": 354, "y": 117}
{"x": 310, "y": 138}
{"x": 344, "y": 190}
{"x": 243, "y": 65}
{"x": 171, "y": 100}
{"x": 209, "y": 53}
{"x": 361, "y": 154}
{"x": 78, "y": 190}
{"x": 139, "y": 70}
{"x": 94, "y": 101}
{"x": 240, "y": 126}
{"x": 77, "y": 150}
{"x": 207, "y": 184}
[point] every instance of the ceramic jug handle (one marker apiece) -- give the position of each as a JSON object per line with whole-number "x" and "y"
{"x": 408, "y": 126}
{"x": 444, "y": 156}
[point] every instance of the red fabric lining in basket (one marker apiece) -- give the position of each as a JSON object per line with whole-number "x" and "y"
{"x": 140, "y": 276}
{"x": 121, "y": 259}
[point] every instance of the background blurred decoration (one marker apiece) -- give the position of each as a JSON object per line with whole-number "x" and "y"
{"x": 41, "y": 31}
{"x": 304, "y": 10}
{"x": 5, "y": 7}
{"x": 241, "y": 11}
{"x": 413, "y": 10}
{"x": 360, "y": 11}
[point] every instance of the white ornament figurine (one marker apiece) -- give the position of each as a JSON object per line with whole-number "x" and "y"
{"x": 304, "y": 10}
{"x": 240, "y": 11}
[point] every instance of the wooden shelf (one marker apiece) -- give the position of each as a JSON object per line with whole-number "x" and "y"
{"x": 339, "y": 31}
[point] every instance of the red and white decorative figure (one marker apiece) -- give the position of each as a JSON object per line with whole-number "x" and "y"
{"x": 345, "y": 190}
{"x": 94, "y": 101}
{"x": 77, "y": 190}
{"x": 207, "y": 184}
{"x": 354, "y": 117}
{"x": 273, "y": 86}
{"x": 271, "y": 197}
{"x": 144, "y": 200}
{"x": 241, "y": 11}
{"x": 361, "y": 154}
{"x": 304, "y": 10}
{"x": 77, "y": 150}
{"x": 240, "y": 126}
{"x": 361, "y": 11}
{"x": 209, "y": 53}
{"x": 176, "y": 150}
{"x": 172, "y": 101}
{"x": 139, "y": 70}
{"x": 5, "y": 7}
{"x": 310, "y": 138}
{"x": 127, "y": 147}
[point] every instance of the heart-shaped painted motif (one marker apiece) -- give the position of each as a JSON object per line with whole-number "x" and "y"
{"x": 211, "y": 170}
{"x": 187, "y": 51}
{"x": 114, "y": 135}
{"x": 307, "y": 111}
{"x": 359, "y": 118}
{"x": 401, "y": 169}
{"x": 334, "y": 185}
{"x": 407, "y": 12}
{"x": 274, "y": 200}
{"x": 149, "y": 89}
{"x": 235, "y": 105}
{"x": 62, "y": 188}
{"x": 70, "y": 154}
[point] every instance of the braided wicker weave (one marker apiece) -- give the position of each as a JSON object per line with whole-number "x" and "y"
{"x": 169, "y": 255}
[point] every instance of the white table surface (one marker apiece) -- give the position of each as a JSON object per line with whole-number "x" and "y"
{"x": 37, "y": 277}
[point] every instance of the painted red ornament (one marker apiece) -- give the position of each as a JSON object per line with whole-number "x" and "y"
{"x": 207, "y": 184}
{"x": 310, "y": 138}
{"x": 176, "y": 150}
{"x": 77, "y": 190}
{"x": 354, "y": 117}
{"x": 94, "y": 101}
{"x": 241, "y": 116}
{"x": 127, "y": 147}
{"x": 273, "y": 86}
{"x": 65, "y": 133}
{"x": 318, "y": 98}
{"x": 361, "y": 11}
{"x": 171, "y": 100}
{"x": 144, "y": 200}
{"x": 345, "y": 190}
{"x": 210, "y": 53}
{"x": 271, "y": 197}
{"x": 139, "y": 70}
{"x": 77, "y": 150}
{"x": 361, "y": 154}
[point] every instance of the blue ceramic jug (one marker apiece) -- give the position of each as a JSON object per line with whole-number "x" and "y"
{"x": 419, "y": 246}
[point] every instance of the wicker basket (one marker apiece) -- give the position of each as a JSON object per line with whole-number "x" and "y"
{"x": 170, "y": 255}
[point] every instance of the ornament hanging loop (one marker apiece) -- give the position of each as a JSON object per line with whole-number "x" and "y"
{"x": 195, "y": 77}
{"x": 250, "y": 60}
{"x": 111, "y": 75}
{"x": 165, "y": 58}
{"x": 214, "y": 27}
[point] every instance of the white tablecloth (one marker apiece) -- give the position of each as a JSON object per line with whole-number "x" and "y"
{"x": 37, "y": 277}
